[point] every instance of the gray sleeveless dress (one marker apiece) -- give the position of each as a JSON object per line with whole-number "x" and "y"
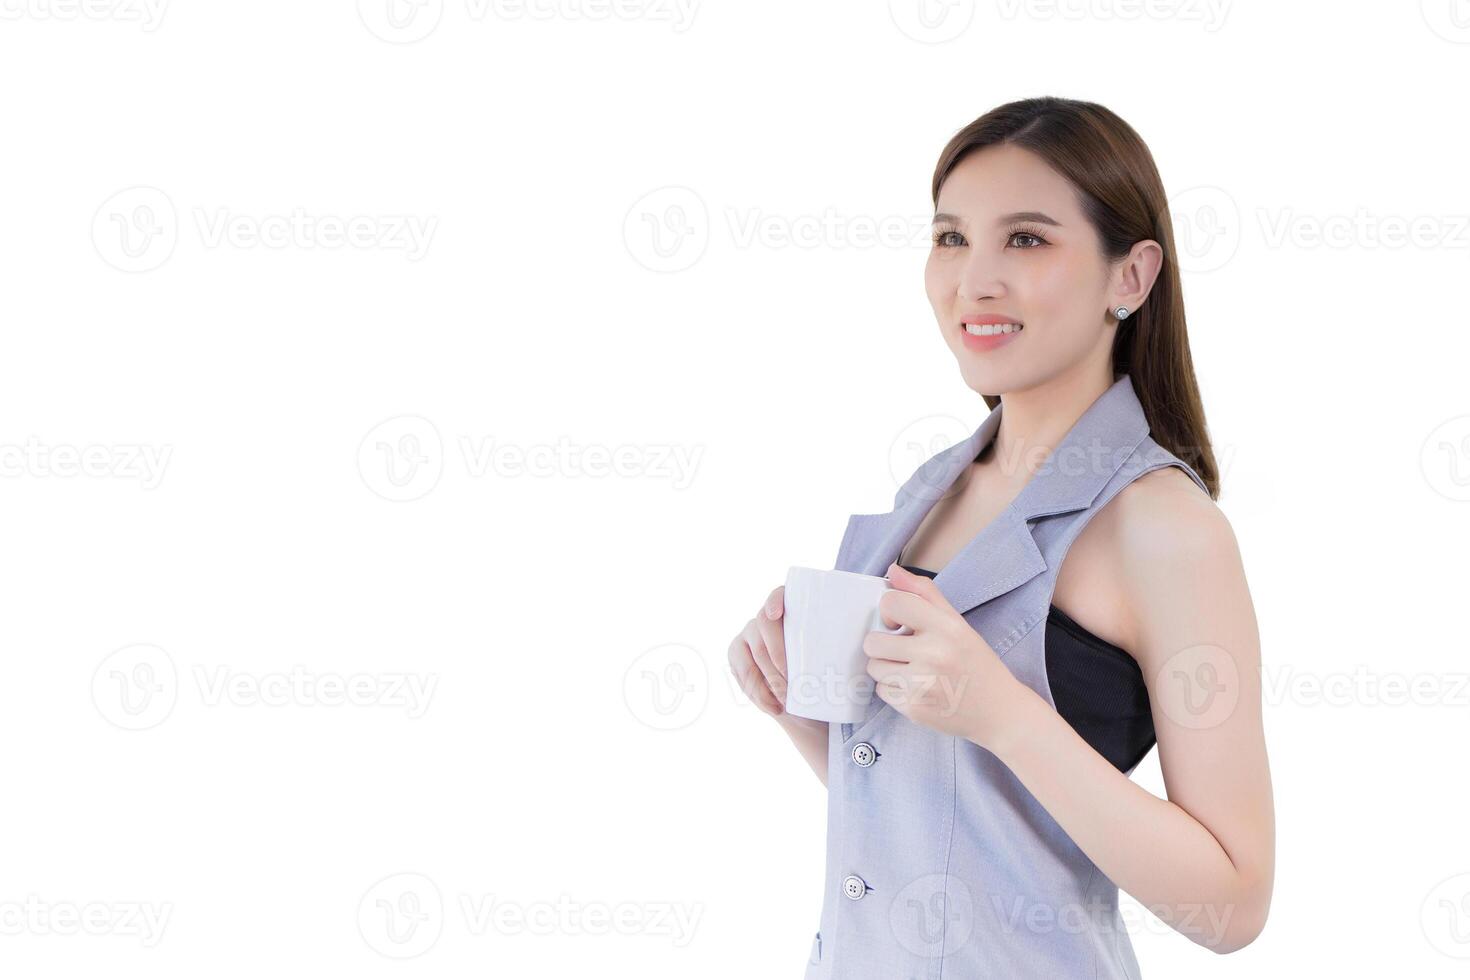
{"x": 940, "y": 863}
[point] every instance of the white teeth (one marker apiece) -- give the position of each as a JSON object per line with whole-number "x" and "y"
{"x": 991, "y": 329}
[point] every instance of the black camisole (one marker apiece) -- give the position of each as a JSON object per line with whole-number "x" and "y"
{"x": 1098, "y": 688}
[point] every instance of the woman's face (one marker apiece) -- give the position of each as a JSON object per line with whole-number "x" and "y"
{"x": 1011, "y": 243}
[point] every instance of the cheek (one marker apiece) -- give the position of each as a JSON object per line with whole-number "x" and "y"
{"x": 936, "y": 275}
{"x": 1063, "y": 294}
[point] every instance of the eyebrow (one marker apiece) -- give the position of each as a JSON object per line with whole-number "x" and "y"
{"x": 1035, "y": 217}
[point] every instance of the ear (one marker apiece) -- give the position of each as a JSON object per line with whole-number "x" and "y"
{"x": 1136, "y": 274}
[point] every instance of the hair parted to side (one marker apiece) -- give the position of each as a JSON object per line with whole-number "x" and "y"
{"x": 1123, "y": 197}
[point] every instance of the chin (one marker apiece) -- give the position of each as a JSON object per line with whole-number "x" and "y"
{"x": 988, "y": 379}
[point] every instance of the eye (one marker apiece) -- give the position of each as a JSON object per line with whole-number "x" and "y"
{"x": 1027, "y": 233}
{"x": 947, "y": 238}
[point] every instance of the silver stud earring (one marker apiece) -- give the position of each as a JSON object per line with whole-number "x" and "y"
{"x": 1121, "y": 313}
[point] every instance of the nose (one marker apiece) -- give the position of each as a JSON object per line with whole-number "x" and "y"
{"x": 980, "y": 278}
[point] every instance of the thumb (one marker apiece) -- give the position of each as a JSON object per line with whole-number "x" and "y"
{"x": 901, "y": 578}
{"x": 920, "y": 585}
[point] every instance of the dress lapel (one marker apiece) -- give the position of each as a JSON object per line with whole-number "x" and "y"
{"x": 1004, "y": 554}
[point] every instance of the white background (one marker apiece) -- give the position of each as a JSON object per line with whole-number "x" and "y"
{"x": 579, "y": 749}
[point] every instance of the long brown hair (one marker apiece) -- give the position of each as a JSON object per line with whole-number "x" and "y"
{"x": 1123, "y": 198}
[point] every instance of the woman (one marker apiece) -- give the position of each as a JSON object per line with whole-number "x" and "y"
{"x": 981, "y": 817}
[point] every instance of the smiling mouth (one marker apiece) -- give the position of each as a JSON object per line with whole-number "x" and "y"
{"x": 992, "y": 329}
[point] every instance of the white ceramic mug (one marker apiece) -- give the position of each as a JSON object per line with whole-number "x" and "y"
{"x": 828, "y": 615}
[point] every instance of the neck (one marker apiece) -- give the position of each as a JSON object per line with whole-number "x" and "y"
{"x": 1034, "y": 420}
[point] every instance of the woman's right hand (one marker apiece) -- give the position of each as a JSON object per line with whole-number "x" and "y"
{"x": 758, "y": 656}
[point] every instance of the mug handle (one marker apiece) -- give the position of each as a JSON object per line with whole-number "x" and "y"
{"x": 878, "y": 621}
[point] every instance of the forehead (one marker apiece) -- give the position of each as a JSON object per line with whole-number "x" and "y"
{"x": 1004, "y": 178}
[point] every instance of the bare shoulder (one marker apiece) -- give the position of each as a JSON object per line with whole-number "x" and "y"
{"x": 1176, "y": 558}
{"x": 1163, "y": 513}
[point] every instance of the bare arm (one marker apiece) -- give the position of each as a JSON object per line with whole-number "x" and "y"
{"x": 810, "y": 739}
{"x": 1203, "y": 859}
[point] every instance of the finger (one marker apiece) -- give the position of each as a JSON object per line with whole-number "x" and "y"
{"x": 903, "y": 608}
{"x": 742, "y": 665}
{"x": 765, "y": 633}
{"x": 887, "y": 678}
{"x": 773, "y": 635}
{"x": 920, "y": 585}
{"x": 775, "y": 605}
{"x": 887, "y": 646}
{"x": 765, "y": 671}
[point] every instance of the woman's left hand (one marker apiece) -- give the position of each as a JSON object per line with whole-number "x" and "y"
{"x": 944, "y": 676}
